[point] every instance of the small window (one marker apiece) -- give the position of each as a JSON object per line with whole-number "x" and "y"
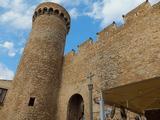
{"x": 2, "y": 95}
{"x": 31, "y": 102}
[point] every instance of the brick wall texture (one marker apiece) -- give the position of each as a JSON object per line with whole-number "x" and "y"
{"x": 121, "y": 55}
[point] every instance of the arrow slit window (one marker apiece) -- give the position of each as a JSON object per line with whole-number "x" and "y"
{"x": 31, "y": 102}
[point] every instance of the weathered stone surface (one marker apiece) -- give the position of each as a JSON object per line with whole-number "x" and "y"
{"x": 4, "y": 84}
{"x": 122, "y": 55}
{"x": 35, "y": 88}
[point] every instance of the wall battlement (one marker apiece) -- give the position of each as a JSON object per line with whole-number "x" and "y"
{"x": 108, "y": 31}
{"x": 121, "y": 55}
{"x": 85, "y": 45}
{"x": 81, "y": 47}
{"x": 131, "y": 19}
{"x": 138, "y": 11}
{"x": 71, "y": 53}
{"x": 49, "y": 85}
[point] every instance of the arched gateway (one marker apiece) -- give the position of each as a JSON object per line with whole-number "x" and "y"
{"x": 75, "y": 107}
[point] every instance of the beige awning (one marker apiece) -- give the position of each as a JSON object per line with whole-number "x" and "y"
{"x": 136, "y": 97}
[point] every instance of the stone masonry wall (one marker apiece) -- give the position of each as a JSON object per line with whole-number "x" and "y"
{"x": 5, "y": 84}
{"x": 122, "y": 55}
{"x": 34, "y": 92}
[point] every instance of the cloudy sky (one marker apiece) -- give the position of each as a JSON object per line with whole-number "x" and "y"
{"x": 87, "y": 18}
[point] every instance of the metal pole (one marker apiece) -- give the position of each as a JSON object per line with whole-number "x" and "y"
{"x": 102, "y": 115}
{"x": 90, "y": 87}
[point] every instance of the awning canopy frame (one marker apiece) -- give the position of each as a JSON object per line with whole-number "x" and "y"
{"x": 136, "y": 97}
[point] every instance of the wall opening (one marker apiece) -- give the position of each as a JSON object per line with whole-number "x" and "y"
{"x": 31, "y": 101}
{"x": 2, "y": 95}
{"x": 75, "y": 107}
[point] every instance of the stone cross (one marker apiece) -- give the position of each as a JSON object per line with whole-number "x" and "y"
{"x": 90, "y": 77}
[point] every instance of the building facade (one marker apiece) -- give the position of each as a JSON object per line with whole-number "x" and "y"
{"x": 51, "y": 86}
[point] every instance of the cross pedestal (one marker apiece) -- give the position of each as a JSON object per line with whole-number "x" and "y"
{"x": 90, "y": 87}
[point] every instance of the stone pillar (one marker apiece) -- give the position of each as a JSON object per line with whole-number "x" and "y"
{"x": 90, "y": 87}
{"x": 35, "y": 89}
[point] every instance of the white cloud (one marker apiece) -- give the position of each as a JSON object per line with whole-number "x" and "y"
{"x": 17, "y": 20}
{"x": 9, "y": 47}
{"x": 112, "y": 10}
{"x": 69, "y": 3}
{"x": 96, "y": 10}
{"x": 74, "y": 13}
{"x": 18, "y": 14}
{"x": 4, "y": 3}
{"x": 11, "y": 54}
{"x": 6, "y": 73}
{"x": 65, "y": 2}
{"x": 21, "y": 50}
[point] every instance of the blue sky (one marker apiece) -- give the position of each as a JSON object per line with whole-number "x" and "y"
{"x": 87, "y": 18}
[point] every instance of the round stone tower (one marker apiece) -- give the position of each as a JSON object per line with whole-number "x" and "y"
{"x": 35, "y": 89}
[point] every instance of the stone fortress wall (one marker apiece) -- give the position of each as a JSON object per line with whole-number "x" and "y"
{"x": 34, "y": 92}
{"x": 122, "y": 55}
{"x": 4, "y": 84}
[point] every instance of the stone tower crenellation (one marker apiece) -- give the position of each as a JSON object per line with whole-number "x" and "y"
{"x": 35, "y": 89}
{"x": 57, "y": 10}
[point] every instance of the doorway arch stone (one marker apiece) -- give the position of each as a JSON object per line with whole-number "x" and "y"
{"x": 75, "y": 108}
